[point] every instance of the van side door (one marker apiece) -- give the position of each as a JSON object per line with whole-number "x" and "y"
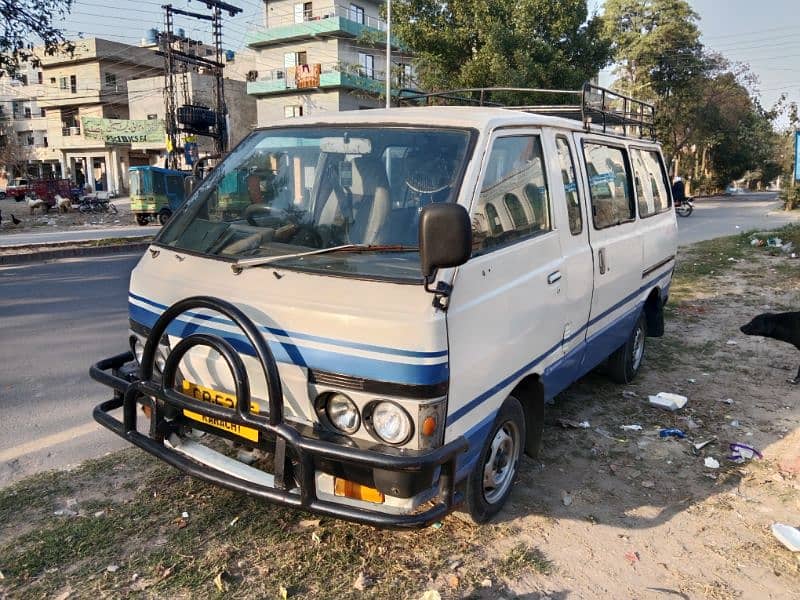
{"x": 576, "y": 271}
{"x": 505, "y": 316}
{"x": 616, "y": 242}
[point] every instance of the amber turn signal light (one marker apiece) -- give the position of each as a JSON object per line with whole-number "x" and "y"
{"x": 429, "y": 426}
{"x": 350, "y": 489}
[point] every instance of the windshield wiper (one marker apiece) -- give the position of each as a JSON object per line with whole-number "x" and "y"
{"x": 247, "y": 263}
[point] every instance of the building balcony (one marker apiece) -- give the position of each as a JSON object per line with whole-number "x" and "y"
{"x": 333, "y": 21}
{"x": 309, "y": 78}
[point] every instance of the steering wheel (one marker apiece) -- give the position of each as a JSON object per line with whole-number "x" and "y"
{"x": 254, "y": 210}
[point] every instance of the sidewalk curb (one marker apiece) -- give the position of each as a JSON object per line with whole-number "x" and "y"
{"x": 71, "y": 252}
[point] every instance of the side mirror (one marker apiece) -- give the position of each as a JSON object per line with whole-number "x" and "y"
{"x": 445, "y": 237}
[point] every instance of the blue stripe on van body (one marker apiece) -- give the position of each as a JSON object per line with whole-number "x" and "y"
{"x": 305, "y": 336}
{"x": 312, "y": 358}
{"x": 592, "y": 350}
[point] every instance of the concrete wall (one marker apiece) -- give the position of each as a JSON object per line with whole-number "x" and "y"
{"x": 271, "y": 108}
{"x": 281, "y": 12}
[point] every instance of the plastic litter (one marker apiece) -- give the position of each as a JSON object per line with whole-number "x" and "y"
{"x": 668, "y": 401}
{"x": 711, "y": 462}
{"x": 731, "y": 343}
{"x": 631, "y": 427}
{"x": 692, "y": 380}
{"x": 672, "y": 432}
{"x": 629, "y": 394}
{"x": 774, "y": 242}
{"x": 726, "y": 401}
{"x": 743, "y": 452}
{"x": 565, "y": 423}
{"x": 787, "y": 535}
{"x": 698, "y": 446}
{"x": 734, "y": 423}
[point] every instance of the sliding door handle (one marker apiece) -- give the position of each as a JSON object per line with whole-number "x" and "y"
{"x": 601, "y": 260}
{"x": 554, "y": 277}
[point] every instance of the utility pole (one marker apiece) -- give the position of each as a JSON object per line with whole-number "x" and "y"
{"x": 388, "y": 54}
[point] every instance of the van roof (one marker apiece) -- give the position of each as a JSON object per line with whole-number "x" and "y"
{"x": 482, "y": 118}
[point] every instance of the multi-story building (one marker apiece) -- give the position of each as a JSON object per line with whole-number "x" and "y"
{"x": 321, "y": 56}
{"x": 92, "y": 82}
{"x": 23, "y": 128}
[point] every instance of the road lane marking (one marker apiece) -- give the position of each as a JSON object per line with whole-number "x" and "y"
{"x": 48, "y": 441}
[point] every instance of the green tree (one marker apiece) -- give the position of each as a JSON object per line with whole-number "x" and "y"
{"x": 510, "y": 43}
{"x": 24, "y": 21}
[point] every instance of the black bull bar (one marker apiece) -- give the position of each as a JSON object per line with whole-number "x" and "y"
{"x": 163, "y": 401}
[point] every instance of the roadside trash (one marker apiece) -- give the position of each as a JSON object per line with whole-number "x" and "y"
{"x": 567, "y": 423}
{"x": 566, "y": 499}
{"x": 632, "y": 557}
{"x": 65, "y": 512}
{"x": 219, "y": 582}
{"x": 698, "y": 446}
{"x": 648, "y": 484}
{"x": 787, "y": 248}
{"x": 487, "y": 583}
{"x": 437, "y": 525}
{"x": 726, "y": 401}
{"x": 112, "y": 568}
{"x": 362, "y": 582}
{"x": 309, "y": 523}
{"x": 731, "y": 343}
{"x": 734, "y": 423}
{"x": 430, "y": 595}
{"x": 607, "y": 434}
{"x": 787, "y": 535}
{"x": 185, "y": 515}
{"x": 629, "y": 394}
{"x": 284, "y": 593}
{"x": 774, "y": 242}
{"x": 692, "y": 380}
{"x": 668, "y": 401}
{"x": 672, "y": 432}
{"x": 233, "y": 522}
{"x": 742, "y": 452}
{"x": 711, "y": 463}
{"x": 756, "y": 242}
{"x": 690, "y": 422}
{"x": 631, "y": 427}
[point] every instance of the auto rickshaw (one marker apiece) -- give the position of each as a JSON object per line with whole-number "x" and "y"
{"x": 155, "y": 193}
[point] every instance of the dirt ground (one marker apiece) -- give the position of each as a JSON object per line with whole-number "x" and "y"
{"x": 55, "y": 221}
{"x": 603, "y": 512}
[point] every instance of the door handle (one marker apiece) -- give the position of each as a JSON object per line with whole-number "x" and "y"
{"x": 601, "y": 260}
{"x": 554, "y": 277}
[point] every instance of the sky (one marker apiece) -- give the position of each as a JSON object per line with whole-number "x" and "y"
{"x": 763, "y": 33}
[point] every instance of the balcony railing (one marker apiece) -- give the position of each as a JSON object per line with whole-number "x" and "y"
{"x": 331, "y": 10}
{"x": 68, "y": 131}
{"x": 290, "y": 74}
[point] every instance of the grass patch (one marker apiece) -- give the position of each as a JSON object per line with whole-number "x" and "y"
{"x": 524, "y": 559}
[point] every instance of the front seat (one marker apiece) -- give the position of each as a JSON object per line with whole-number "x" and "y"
{"x": 371, "y": 201}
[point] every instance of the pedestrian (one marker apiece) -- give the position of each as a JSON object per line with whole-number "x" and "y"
{"x": 678, "y": 190}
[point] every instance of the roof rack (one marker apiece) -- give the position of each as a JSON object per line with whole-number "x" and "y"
{"x": 596, "y": 107}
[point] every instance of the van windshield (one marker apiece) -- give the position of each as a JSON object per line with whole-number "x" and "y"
{"x": 297, "y": 189}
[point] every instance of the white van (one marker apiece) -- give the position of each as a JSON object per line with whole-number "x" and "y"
{"x": 377, "y": 312}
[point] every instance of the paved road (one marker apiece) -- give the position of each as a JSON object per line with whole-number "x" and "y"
{"x": 23, "y": 239}
{"x": 719, "y": 216}
{"x": 56, "y": 318}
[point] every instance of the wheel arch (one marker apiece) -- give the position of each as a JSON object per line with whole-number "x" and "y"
{"x": 530, "y": 392}
{"x": 654, "y": 313}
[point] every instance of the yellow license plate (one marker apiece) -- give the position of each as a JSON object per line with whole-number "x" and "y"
{"x": 220, "y": 399}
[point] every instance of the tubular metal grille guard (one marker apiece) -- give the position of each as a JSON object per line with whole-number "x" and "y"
{"x": 128, "y": 394}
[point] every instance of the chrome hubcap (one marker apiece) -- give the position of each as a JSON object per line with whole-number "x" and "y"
{"x": 501, "y": 464}
{"x": 638, "y": 347}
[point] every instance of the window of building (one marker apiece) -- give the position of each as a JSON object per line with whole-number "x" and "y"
{"x": 357, "y": 13}
{"x": 650, "y": 180}
{"x": 22, "y": 78}
{"x": 307, "y": 11}
{"x": 292, "y": 110}
{"x": 609, "y": 185}
{"x": 62, "y": 83}
{"x": 514, "y": 202}
{"x": 44, "y": 142}
{"x": 367, "y": 64}
{"x": 152, "y": 117}
{"x": 73, "y": 84}
{"x": 39, "y": 77}
{"x": 111, "y": 80}
{"x": 43, "y": 112}
{"x": 27, "y": 112}
{"x": 403, "y": 74}
{"x": 293, "y": 59}
{"x": 567, "y": 167}
{"x": 298, "y": 12}
{"x": 16, "y": 109}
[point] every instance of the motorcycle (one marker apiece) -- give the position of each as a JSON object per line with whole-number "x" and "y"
{"x": 684, "y": 207}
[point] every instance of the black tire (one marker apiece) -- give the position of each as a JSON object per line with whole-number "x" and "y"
{"x": 164, "y": 216}
{"x": 142, "y": 220}
{"x": 112, "y": 208}
{"x": 2, "y": 195}
{"x": 483, "y": 501}
{"x": 626, "y": 362}
{"x": 684, "y": 210}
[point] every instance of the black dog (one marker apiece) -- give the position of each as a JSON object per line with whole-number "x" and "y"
{"x": 779, "y": 326}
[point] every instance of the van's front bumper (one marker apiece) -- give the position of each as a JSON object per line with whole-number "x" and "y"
{"x": 199, "y": 461}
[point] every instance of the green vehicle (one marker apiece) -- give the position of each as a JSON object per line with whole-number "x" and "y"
{"x": 155, "y": 193}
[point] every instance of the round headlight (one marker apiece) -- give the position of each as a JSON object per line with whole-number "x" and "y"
{"x": 138, "y": 350}
{"x": 391, "y": 423}
{"x": 342, "y": 413}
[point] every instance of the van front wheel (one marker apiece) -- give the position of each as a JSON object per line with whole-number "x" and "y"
{"x": 625, "y": 363}
{"x": 490, "y": 483}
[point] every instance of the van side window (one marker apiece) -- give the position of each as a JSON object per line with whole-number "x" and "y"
{"x": 567, "y": 166}
{"x": 514, "y": 202}
{"x": 609, "y": 185}
{"x": 651, "y": 182}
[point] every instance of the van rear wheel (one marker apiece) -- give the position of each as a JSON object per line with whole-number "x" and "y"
{"x": 142, "y": 220}
{"x": 625, "y": 363}
{"x": 490, "y": 483}
{"x": 164, "y": 215}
